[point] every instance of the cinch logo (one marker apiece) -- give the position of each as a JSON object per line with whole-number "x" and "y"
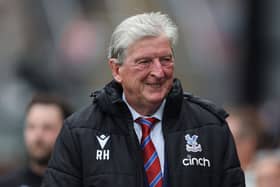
{"x": 102, "y": 154}
{"x": 193, "y": 161}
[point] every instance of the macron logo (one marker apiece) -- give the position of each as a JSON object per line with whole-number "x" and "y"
{"x": 102, "y": 140}
{"x": 102, "y": 154}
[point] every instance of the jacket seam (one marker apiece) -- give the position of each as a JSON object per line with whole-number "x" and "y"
{"x": 111, "y": 173}
{"x": 200, "y": 127}
{"x": 62, "y": 172}
{"x": 232, "y": 168}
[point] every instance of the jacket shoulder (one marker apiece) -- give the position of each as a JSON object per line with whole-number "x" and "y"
{"x": 82, "y": 118}
{"x": 207, "y": 110}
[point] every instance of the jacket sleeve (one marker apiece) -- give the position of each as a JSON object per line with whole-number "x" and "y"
{"x": 64, "y": 168}
{"x": 233, "y": 175}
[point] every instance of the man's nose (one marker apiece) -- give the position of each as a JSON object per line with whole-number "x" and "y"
{"x": 39, "y": 131}
{"x": 157, "y": 69}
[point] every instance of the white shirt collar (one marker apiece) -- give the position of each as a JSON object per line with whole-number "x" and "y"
{"x": 158, "y": 114}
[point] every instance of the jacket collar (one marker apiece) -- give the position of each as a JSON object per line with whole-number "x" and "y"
{"x": 110, "y": 99}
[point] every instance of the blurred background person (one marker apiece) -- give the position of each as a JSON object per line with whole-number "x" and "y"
{"x": 246, "y": 127}
{"x": 267, "y": 169}
{"x": 44, "y": 119}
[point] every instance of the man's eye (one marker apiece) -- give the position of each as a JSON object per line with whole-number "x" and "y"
{"x": 166, "y": 60}
{"x": 143, "y": 61}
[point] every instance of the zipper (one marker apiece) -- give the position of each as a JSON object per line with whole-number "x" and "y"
{"x": 136, "y": 154}
{"x": 164, "y": 132}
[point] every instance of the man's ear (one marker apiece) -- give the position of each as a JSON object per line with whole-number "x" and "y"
{"x": 115, "y": 67}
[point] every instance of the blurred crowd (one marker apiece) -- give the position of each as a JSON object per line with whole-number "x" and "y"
{"x": 227, "y": 52}
{"x": 257, "y": 147}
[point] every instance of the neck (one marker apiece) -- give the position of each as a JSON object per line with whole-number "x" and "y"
{"x": 145, "y": 110}
{"x": 38, "y": 169}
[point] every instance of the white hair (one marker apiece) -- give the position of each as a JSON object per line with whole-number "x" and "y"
{"x": 140, "y": 26}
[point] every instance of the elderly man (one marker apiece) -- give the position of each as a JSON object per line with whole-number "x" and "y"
{"x": 141, "y": 129}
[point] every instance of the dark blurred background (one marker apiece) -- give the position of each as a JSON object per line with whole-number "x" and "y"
{"x": 228, "y": 52}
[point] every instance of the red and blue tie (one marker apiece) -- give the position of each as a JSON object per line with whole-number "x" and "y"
{"x": 150, "y": 156}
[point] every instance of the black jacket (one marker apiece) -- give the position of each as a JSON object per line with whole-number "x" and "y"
{"x": 98, "y": 147}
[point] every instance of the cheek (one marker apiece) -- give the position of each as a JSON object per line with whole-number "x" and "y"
{"x": 124, "y": 73}
{"x": 29, "y": 137}
{"x": 169, "y": 71}
{"x": 134, "y": 78}
{"x": 51, "y": 136}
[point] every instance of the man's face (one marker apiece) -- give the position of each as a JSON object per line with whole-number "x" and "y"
{"x": 43, "y": 123}
{"x": 146, "y": 74}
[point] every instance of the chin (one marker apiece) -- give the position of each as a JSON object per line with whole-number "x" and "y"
{"x": 41, "y": 159}
{"x": 155, "y": 99}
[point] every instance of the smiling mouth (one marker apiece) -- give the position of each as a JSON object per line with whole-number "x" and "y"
{"x": 154, "y": 85}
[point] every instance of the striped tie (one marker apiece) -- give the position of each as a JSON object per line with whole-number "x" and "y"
{"x": 150, "y": 156}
